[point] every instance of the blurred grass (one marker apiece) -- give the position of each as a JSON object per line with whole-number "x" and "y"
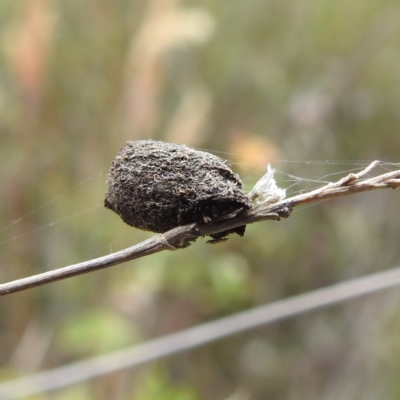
{"x": 257, "y": 81}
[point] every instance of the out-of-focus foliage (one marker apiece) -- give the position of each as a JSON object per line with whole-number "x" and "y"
{"x": 256, "y": 81}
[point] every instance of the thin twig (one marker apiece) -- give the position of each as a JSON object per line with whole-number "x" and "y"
{"x": 197, "y": 336}
{"x": 182, "y": 236}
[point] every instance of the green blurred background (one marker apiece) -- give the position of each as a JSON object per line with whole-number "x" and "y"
{"x": 254, "y": 81}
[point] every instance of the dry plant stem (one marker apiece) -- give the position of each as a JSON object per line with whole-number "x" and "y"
{"x": 200, "y": 335}
{"x": 181, "y": 236}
